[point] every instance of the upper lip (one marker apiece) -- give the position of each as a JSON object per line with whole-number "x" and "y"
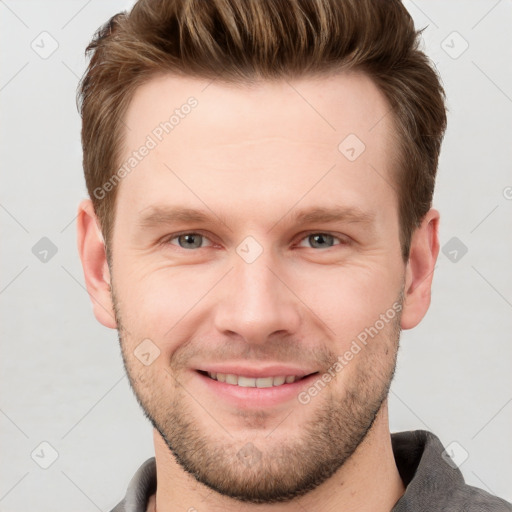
{"x": 267, "y": 371}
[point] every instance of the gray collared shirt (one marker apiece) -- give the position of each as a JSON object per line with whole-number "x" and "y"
{"x": 433, "y": 483}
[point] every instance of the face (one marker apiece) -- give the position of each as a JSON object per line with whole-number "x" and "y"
{"x": 290, "y": 266}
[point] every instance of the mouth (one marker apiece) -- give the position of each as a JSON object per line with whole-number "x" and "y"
{"x": 253, "y": 382}
{"x": 243, "y": 392}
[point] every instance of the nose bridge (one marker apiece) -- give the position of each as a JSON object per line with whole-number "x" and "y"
{"x": 255, "y": 302}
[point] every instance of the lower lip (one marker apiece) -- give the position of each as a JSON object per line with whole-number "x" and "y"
{"x": 249, "y": 398}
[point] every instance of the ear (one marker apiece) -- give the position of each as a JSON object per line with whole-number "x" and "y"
{"x": 420, "y": 270}
{"x": 91, "y": 248}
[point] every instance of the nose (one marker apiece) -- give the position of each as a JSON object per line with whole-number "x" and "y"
{"x": 256, "y": 301}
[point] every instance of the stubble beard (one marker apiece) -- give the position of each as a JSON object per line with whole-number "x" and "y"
{"x": 253, "y": 468}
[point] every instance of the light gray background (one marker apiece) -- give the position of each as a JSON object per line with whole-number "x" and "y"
{"x": 61, "y": 372}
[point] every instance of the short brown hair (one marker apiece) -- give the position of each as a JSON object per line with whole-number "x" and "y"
{"x": 241, "y": 41}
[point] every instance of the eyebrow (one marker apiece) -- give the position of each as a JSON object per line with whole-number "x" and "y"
{"x": 157, "y": 215}
{"x": 334, "y": 214}
{"x": 167, "y": 215}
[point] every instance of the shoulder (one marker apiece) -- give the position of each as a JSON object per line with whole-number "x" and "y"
{"x": 471, "y": 499}
{"x": 140, "y": 489}
{"x": 433, "y": 480}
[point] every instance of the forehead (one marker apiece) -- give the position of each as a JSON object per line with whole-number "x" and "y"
{"x": 332, "y": 106}
{"x": 266, "y": 141}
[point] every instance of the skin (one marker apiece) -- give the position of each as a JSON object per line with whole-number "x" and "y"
{"x": 253, "y": 156}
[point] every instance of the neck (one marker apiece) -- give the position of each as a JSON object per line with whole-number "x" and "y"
{"x": 369, "y": 480}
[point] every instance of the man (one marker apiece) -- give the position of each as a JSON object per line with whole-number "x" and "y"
{"x": 260, "y": 231}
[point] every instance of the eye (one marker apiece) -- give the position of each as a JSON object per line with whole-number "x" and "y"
{"x": 323, "y": 240}
{"x": 188, "y": 240}
{"x": 195, "y": 240}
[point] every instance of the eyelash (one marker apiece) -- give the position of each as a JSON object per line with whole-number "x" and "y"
{"x": 342, "y": 240}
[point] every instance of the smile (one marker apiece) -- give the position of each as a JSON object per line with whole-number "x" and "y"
{"x": 252, "y": 382}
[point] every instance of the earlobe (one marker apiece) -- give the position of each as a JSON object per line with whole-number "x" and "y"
{"x": 420, "y": 270}
{"x": 91, "y": 248}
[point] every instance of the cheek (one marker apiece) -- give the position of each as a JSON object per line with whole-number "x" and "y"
{"x": 167, "y": 304}
{"x": 156, "y": 303}
{"x": 349, "y": 299}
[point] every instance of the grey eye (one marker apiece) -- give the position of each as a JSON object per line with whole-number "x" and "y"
{"x": 190, "y": 240}
{"x": 318, "y": 240}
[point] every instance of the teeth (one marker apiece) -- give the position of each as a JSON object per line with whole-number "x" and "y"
{"x": 279, "y": 380}
{"x": 252, "y": 382}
